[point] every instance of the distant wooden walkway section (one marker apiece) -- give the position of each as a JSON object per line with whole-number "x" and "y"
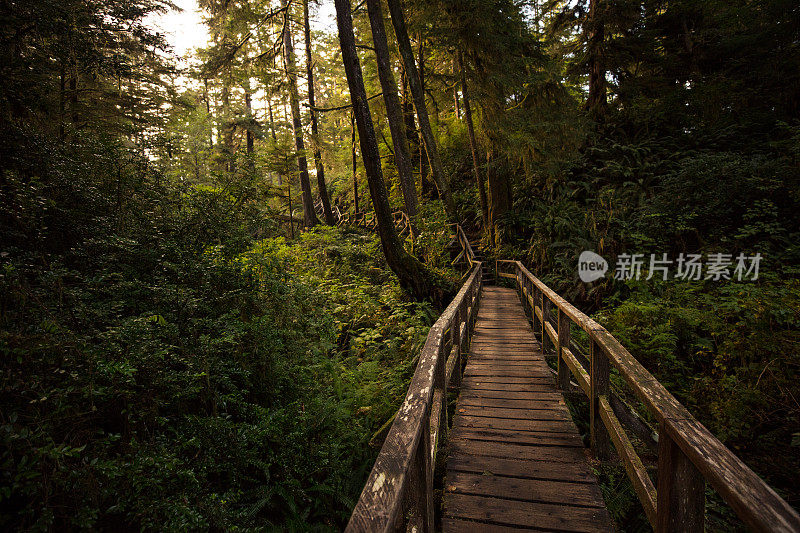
{"x": 515, "y": 457}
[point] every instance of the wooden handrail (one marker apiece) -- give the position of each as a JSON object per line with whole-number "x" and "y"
{"x": 465, "y": 245}
{"x": 402, "y": 222}
{"x": 688, "y": 453}
{"x": 398, "y": 493}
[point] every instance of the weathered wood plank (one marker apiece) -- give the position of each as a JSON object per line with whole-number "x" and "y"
{"x": 510, "y": 403}
{"x": 519, "y": 352}
{"x": 509, "y": 380}
{"x": 533, "y": 490}
{"x": 499, "y": 325}
{"x": 493, "y": 342}
{"x": 539, "y": 438}
{"x": 515, "y": 414}
{"x": 519, "y": 387}
{"x": 510, "y": 362}
{"x": 543, "y": 515}
{"x": 514, "y": 424}
{"x": 552, "y": 454}
{"x": 455, "y": 524}
{"x": 489, "y": 362}
{"x": 498, "y": 372}
{"x": 510, "y": 354}
{"x": 572, "y": 472}
{"x": 509, "y": 326}
{"x": 545, "y": 395}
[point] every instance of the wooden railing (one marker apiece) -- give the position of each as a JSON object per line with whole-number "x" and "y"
{"x": 402, "y": 222}
{"x": 688, "y": 454}
{"x": 467, "y": 254}
{"x": 399, "y": 491}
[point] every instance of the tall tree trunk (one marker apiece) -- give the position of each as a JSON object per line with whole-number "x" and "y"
{"x": 248, "y": 102}
{"x": 413, "y": 136}
{"x": 394, "y": 113}
{"x": 473, "y": 145}
{"x": 353, "y": 151}
{"x": 227, "y": 121}
{"x": 414, "y": 81}
{"x": 412, "y": 274}
{"x": 596, "y": 102}
{"x": 428, "y": 187}
{"x": 309, "y": 215}
{"x": 208, "y": 112}
{"x": 322, "y": 187}
{"x": 62, "y": 97}
{"x": 425, "y": 92}
{"x": 289, "y": 200}
{"x": 272, "y": 133}
{"x": 455, "y": 92}
{"x": 500, "y": 197}
{"x": 271, "y": 119}
{"x": 288, "y": 181}
{"x": 73, "y": 98}
{"x": 227, "y": 129}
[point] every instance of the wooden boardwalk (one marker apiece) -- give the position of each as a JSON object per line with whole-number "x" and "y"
{"x": 515, "y": 458}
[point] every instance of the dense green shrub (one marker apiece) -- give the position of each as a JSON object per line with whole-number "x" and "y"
{"x": 163, "y": 371}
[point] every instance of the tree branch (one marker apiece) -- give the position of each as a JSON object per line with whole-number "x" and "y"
{"x": 338, "y": 108}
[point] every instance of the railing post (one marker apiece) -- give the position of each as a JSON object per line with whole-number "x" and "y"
{"x": 476, "y": 290}
{"x": 545, "y": 320}
{"x": 464, "y": 339}
{"x": 537, "y": 324}
{"x": 440, "y": 385}
{"x": 681, "y": 489}
{"x": 455, "y": 331}
{"x": 599, "y": 386}
{"x": 419, "y": 483}
{"x": 564, "y": 324}
{"x": 525, "y": 292}
{"x": 471, "y": 300}
{"x": 522, "y": 287}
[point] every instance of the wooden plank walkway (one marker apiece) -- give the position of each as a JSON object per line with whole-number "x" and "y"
{"x": 515, "y": 458}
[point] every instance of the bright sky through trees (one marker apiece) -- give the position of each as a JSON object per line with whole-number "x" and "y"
{"x": 185, "y": 30}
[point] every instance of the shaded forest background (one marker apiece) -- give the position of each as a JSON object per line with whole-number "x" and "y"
{"x": 187, "y": 340}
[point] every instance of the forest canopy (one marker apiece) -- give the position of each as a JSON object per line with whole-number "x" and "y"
{"x": 217, "y": 271}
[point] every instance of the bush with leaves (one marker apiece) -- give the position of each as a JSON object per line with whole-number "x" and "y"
{"x": 161, "y": 371}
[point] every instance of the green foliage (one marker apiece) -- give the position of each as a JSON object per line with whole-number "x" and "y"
{"x": 160, "y": 372}
{"x": 620, "y": 498}
{"x": 722, "y": 350}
